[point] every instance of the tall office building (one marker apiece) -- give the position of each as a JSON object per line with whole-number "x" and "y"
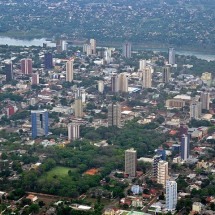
{"x": 171, "y": 56}
{"x": 48, "y": 61}
{"x": 78, "y": 107}
{"x": 171, "y": 195}
{"x": 101, "y": 86}
{"x": 131, "y": 162}
{"x": 9, "y": 71}
{"x": 123, "y": 82}
{"x": 156, "y": 160}
{"x": 69, "y": 70}
{"x": 166, "y": 74}
{"x": 195, "y": 110}
{"x": 93, "y": 46}
{"x": 114, "y": 115}
{"x": 185, "y": 147}
{"x": 39, "y": 123}
{"x": 126, "y": 52}
{"x": 35, "y": 79}
{"x": 205, "y": 100}
{"x": 147, "y": 78}
{"x": 26, "y": 66}
{"x": 73, "y": 131}
{"x": 142, "y": 65}
{"x": 115, "y": 84}
{"x": 162, "y": 175}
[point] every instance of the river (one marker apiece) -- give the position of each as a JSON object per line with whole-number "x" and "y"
{"x": 39, "y": 42}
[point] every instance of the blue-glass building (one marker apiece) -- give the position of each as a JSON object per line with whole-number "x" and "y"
{"x": 39, "y": 123}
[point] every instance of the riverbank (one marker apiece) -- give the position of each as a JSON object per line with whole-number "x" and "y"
{"x": 198, "y": 52}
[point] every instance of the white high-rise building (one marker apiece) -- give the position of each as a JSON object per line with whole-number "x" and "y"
{"x": 108, "y": 55}
{"x": 131, "y": 162}
{"x": 69, "y": 70}
{"x": 93, "y": 46}
{"x": 101, "y": 86}
{"x": 142, "y": 65}
{"x": 162, "y": 175}
{"x": 171, "y": 195}
{"x": 205, "y": 100}
{"x": 195, "y": 110}
{"x": 171, "y": 56}
{"x": 147, "y": 78}
{"x": 73, "y": 131}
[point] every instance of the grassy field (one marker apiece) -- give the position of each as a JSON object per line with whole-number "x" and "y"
{"x": 58, "y": 171}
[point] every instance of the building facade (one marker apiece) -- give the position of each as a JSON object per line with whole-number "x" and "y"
{"x": 171, "y": 195}
{"x": 195, "y": 110}
{"x": 39, "y": 123}
{"x": 26, "y": 66}
{"x": 9, "y": 71}
{"x": 162, "y": 175}
{"x": 73, "y": 131}
{"x": 130, "y": 162}
{"x": 69, "y": 70}
{"x": 126, "y": 51}
{"x": 166, "y": 74}
{"x": 205, "y": 100}
{"x": 78, "y": 107}
{"x": 171, "y": 56}
{"x": 147, "y": 78}
{"x": 114, "y": 115}
{"x": 185, "y": 147}
{"x": 48, "y": 61}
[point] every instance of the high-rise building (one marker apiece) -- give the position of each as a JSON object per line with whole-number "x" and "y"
{"x": 195, "y": 110}
{"x": 166, "y": 74}
{"x": 87, "y": 49}
{"x": 147, "y": 78}
{"x": 78, "y": 107}
{"x": 35, "y": 79}
{"x": 73, "y": 131}
{"x": 162, "y": 175}
{"x": 93, "y": 46}
{"x": 115, "y": 84}
{"x": 127, "y": 50}
{"x": 101, "y": 86}
{"x": 114, "y": 115}
{"x": 39, "y": 123}
{"x": 156, "y": 160}
{"x": 108, "y": 55}
{"x": 123, "y": 82}
{"x": 205, "y": 100}
{"x": 185, "y": 147}
{"x": 130, "y": 162}
{"x": 171, "y": 56}
{"x": 142, "y": 65}
{"x": 26, "y": 66}
{"x": 9, "y": 71}
{"x": 171, "y": 195}
{"x": 69, "y": 70}
{"x": 48, "y": 61}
